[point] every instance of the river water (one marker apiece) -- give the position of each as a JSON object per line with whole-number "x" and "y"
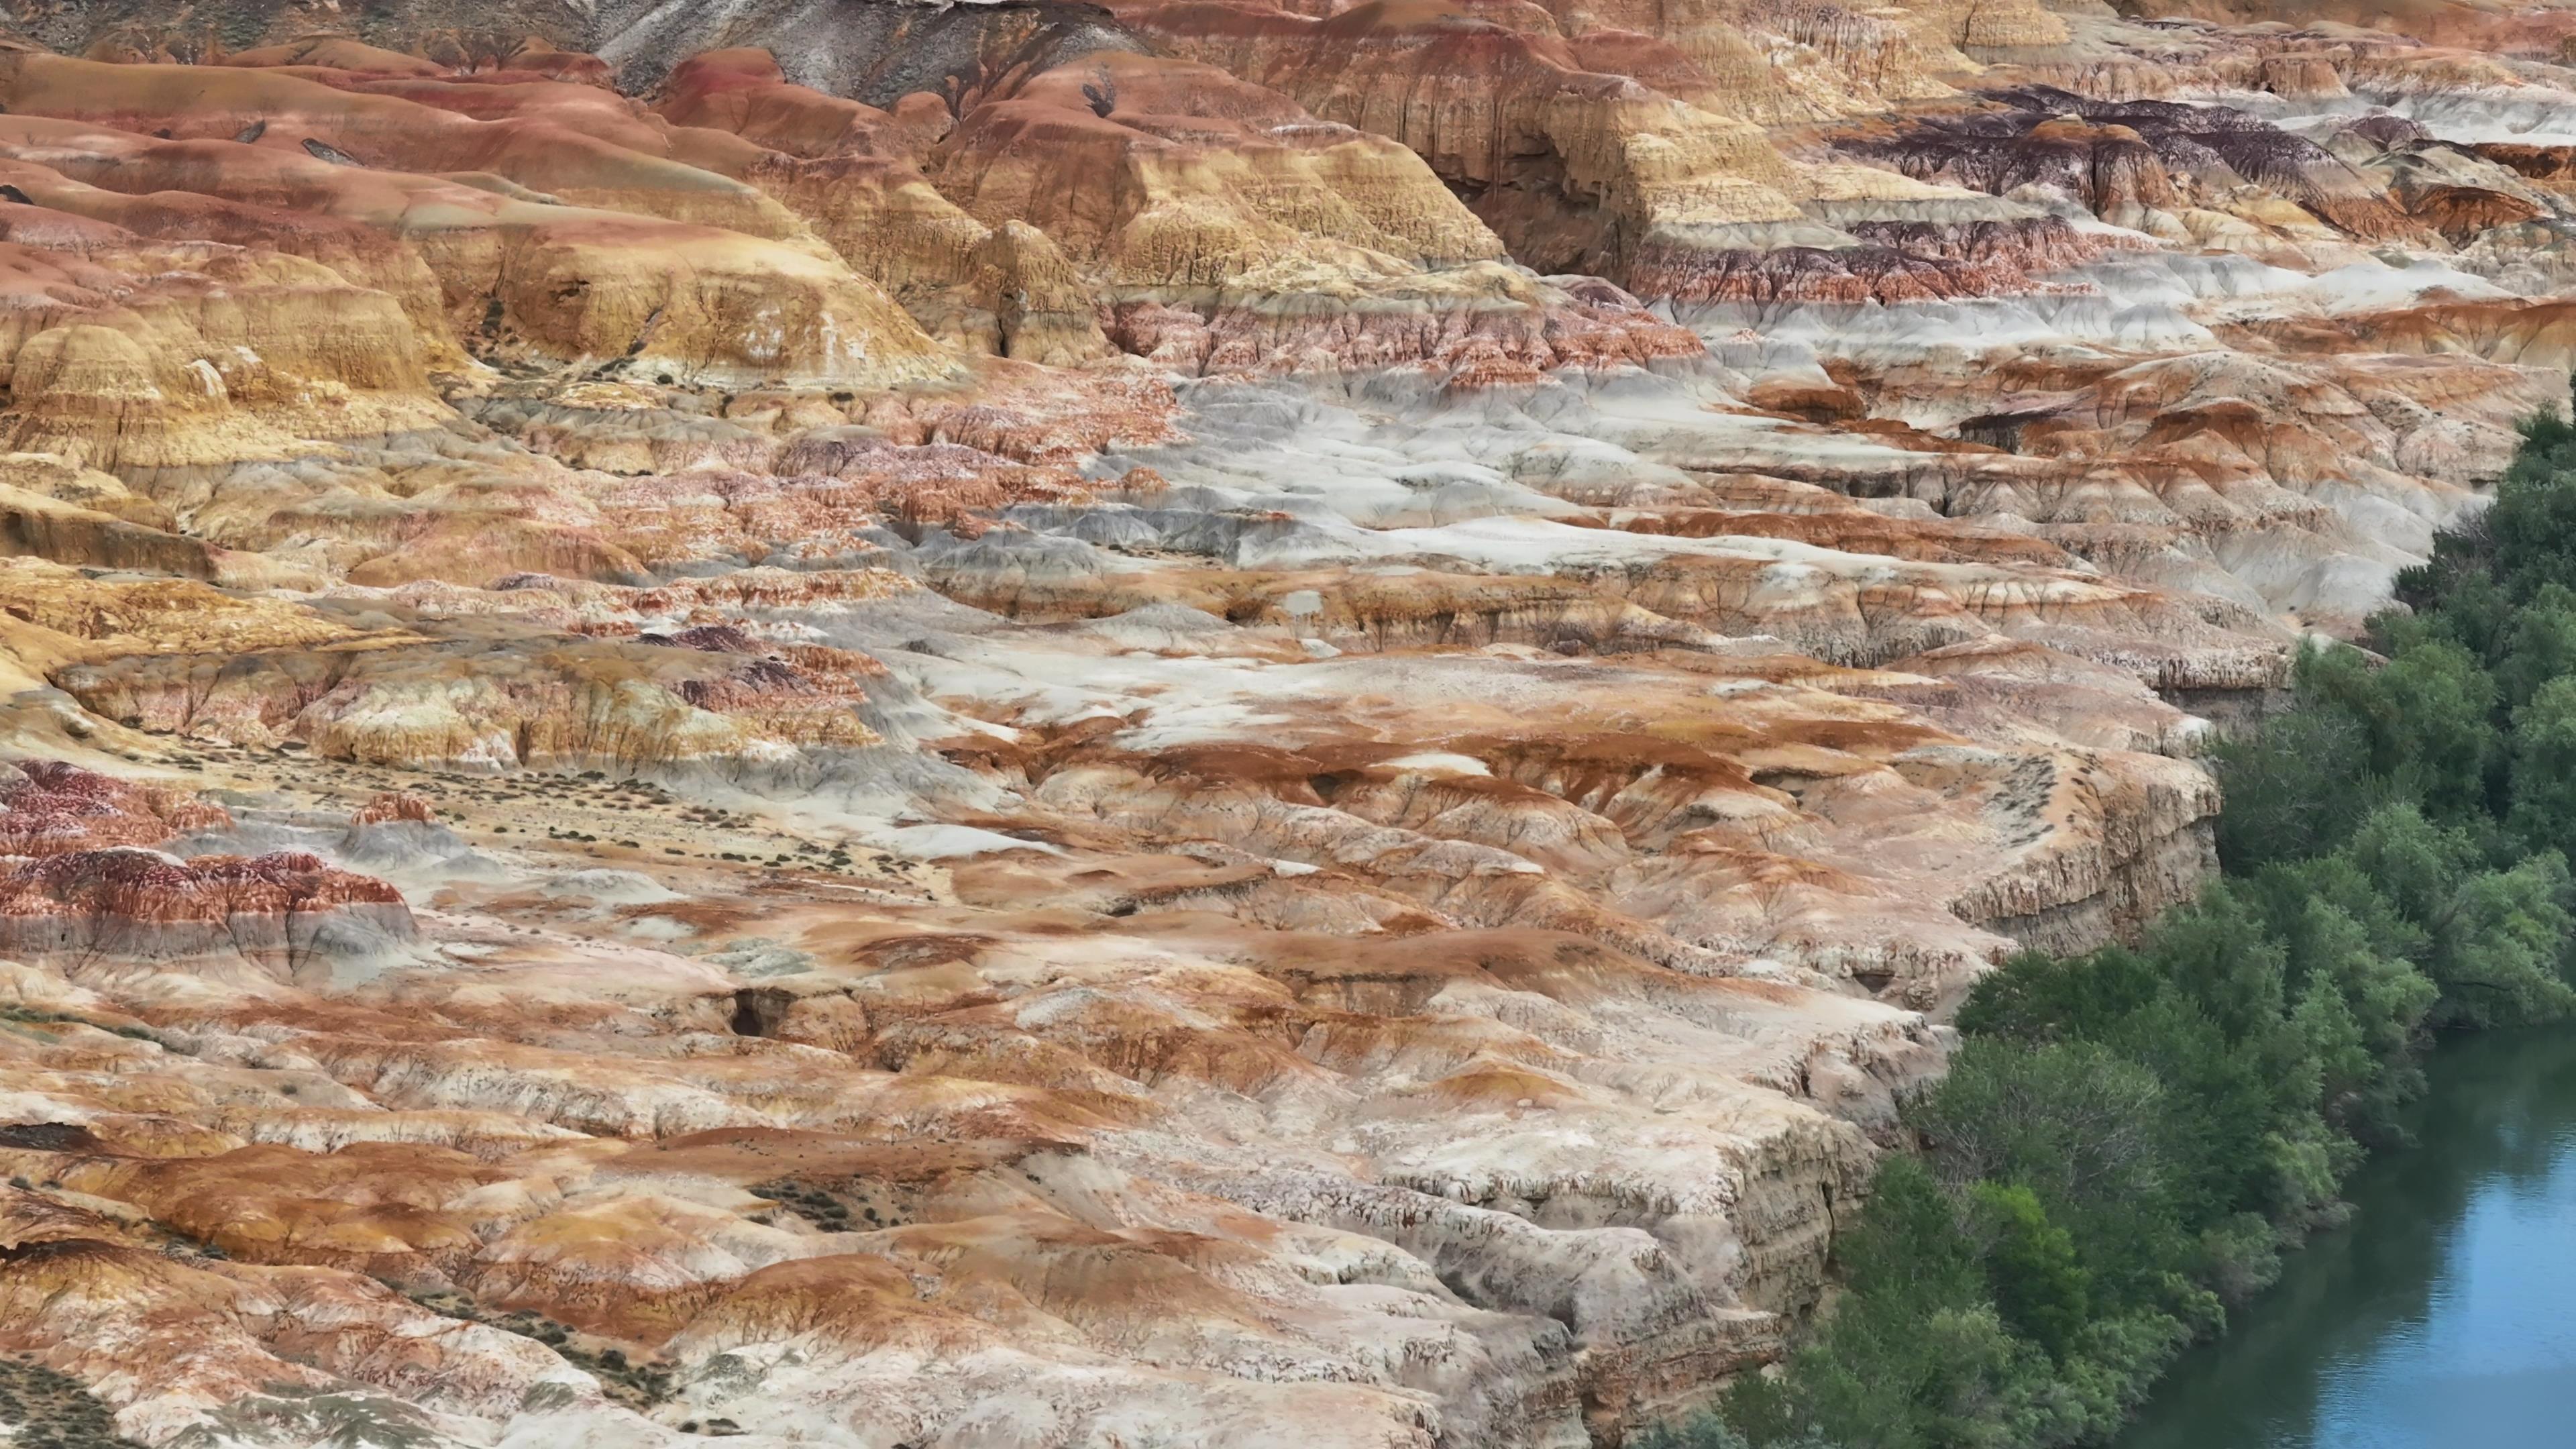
{"x": 2444, "y": 1315}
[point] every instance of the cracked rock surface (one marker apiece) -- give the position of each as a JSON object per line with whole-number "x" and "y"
{"x": 1032, "y": 725}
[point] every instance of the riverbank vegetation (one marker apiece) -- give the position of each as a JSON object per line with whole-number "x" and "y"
{"x": 2127, "y": 1140}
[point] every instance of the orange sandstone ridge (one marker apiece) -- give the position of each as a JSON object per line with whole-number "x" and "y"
{"x": 1248, "y": 721}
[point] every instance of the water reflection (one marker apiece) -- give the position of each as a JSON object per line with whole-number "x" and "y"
{"x": 2444, "y": 1317}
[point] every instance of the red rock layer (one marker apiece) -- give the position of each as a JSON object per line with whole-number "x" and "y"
{"x": 1902, "y": 262}
{"x": 1588, "y": 324}
{"x": 116, "y": 911}
{"x": 52, "y": 808}
{"x": 2126, "y": 159}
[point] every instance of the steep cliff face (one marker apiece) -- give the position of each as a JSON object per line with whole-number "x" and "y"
{"x": 1222, "y": 198}
{"x": 827, "y": 723}
{"x": 1575, "y": 169}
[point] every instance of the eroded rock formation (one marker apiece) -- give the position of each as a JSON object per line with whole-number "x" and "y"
{"x": 1199, "y": 722}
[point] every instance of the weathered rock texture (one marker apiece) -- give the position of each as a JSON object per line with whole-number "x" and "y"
{"x": 826, "y": 722}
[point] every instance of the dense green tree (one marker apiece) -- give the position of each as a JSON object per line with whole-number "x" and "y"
{"x": 2493, "y": 941}
{"x": 2072, "y": 1119}
{"x": 2543, "y": 809}
{"x": 2433, "y": 727}
{"x": 2301, "y": 783}
{"x": 1907, "y": 1245}
{"x": 2038, "y": 999}
{"x": 2500, "y": 949}
{"x": 2539, "y": 646}
{"x": 2039, "y": 1287}
{"x": 2532, "y": 525}
{"x": 2238, "y": 1256}
{"x": 1954, "y": 1378}
{"x": 2286, "y": 891}
{"x": 2361, "y": 1006}
{"x": 2217, "y": 1112}
{"x": 2456, "y": 593}
{"x": 2216, "y": 952}
{"x": 1920, "y": 1358}
{"x": 1708, "y": 1431}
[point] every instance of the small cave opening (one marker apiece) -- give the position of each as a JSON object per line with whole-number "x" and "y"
{"x": 48, "y": 1137}
{"x": 1999, "y": 430}
{"x": 760, "y": 1010}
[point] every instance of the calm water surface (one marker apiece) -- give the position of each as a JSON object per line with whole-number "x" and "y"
{"x": 2444, "y": 1316}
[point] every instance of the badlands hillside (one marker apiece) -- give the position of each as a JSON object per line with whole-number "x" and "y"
{"x": 1210, "y": 722}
